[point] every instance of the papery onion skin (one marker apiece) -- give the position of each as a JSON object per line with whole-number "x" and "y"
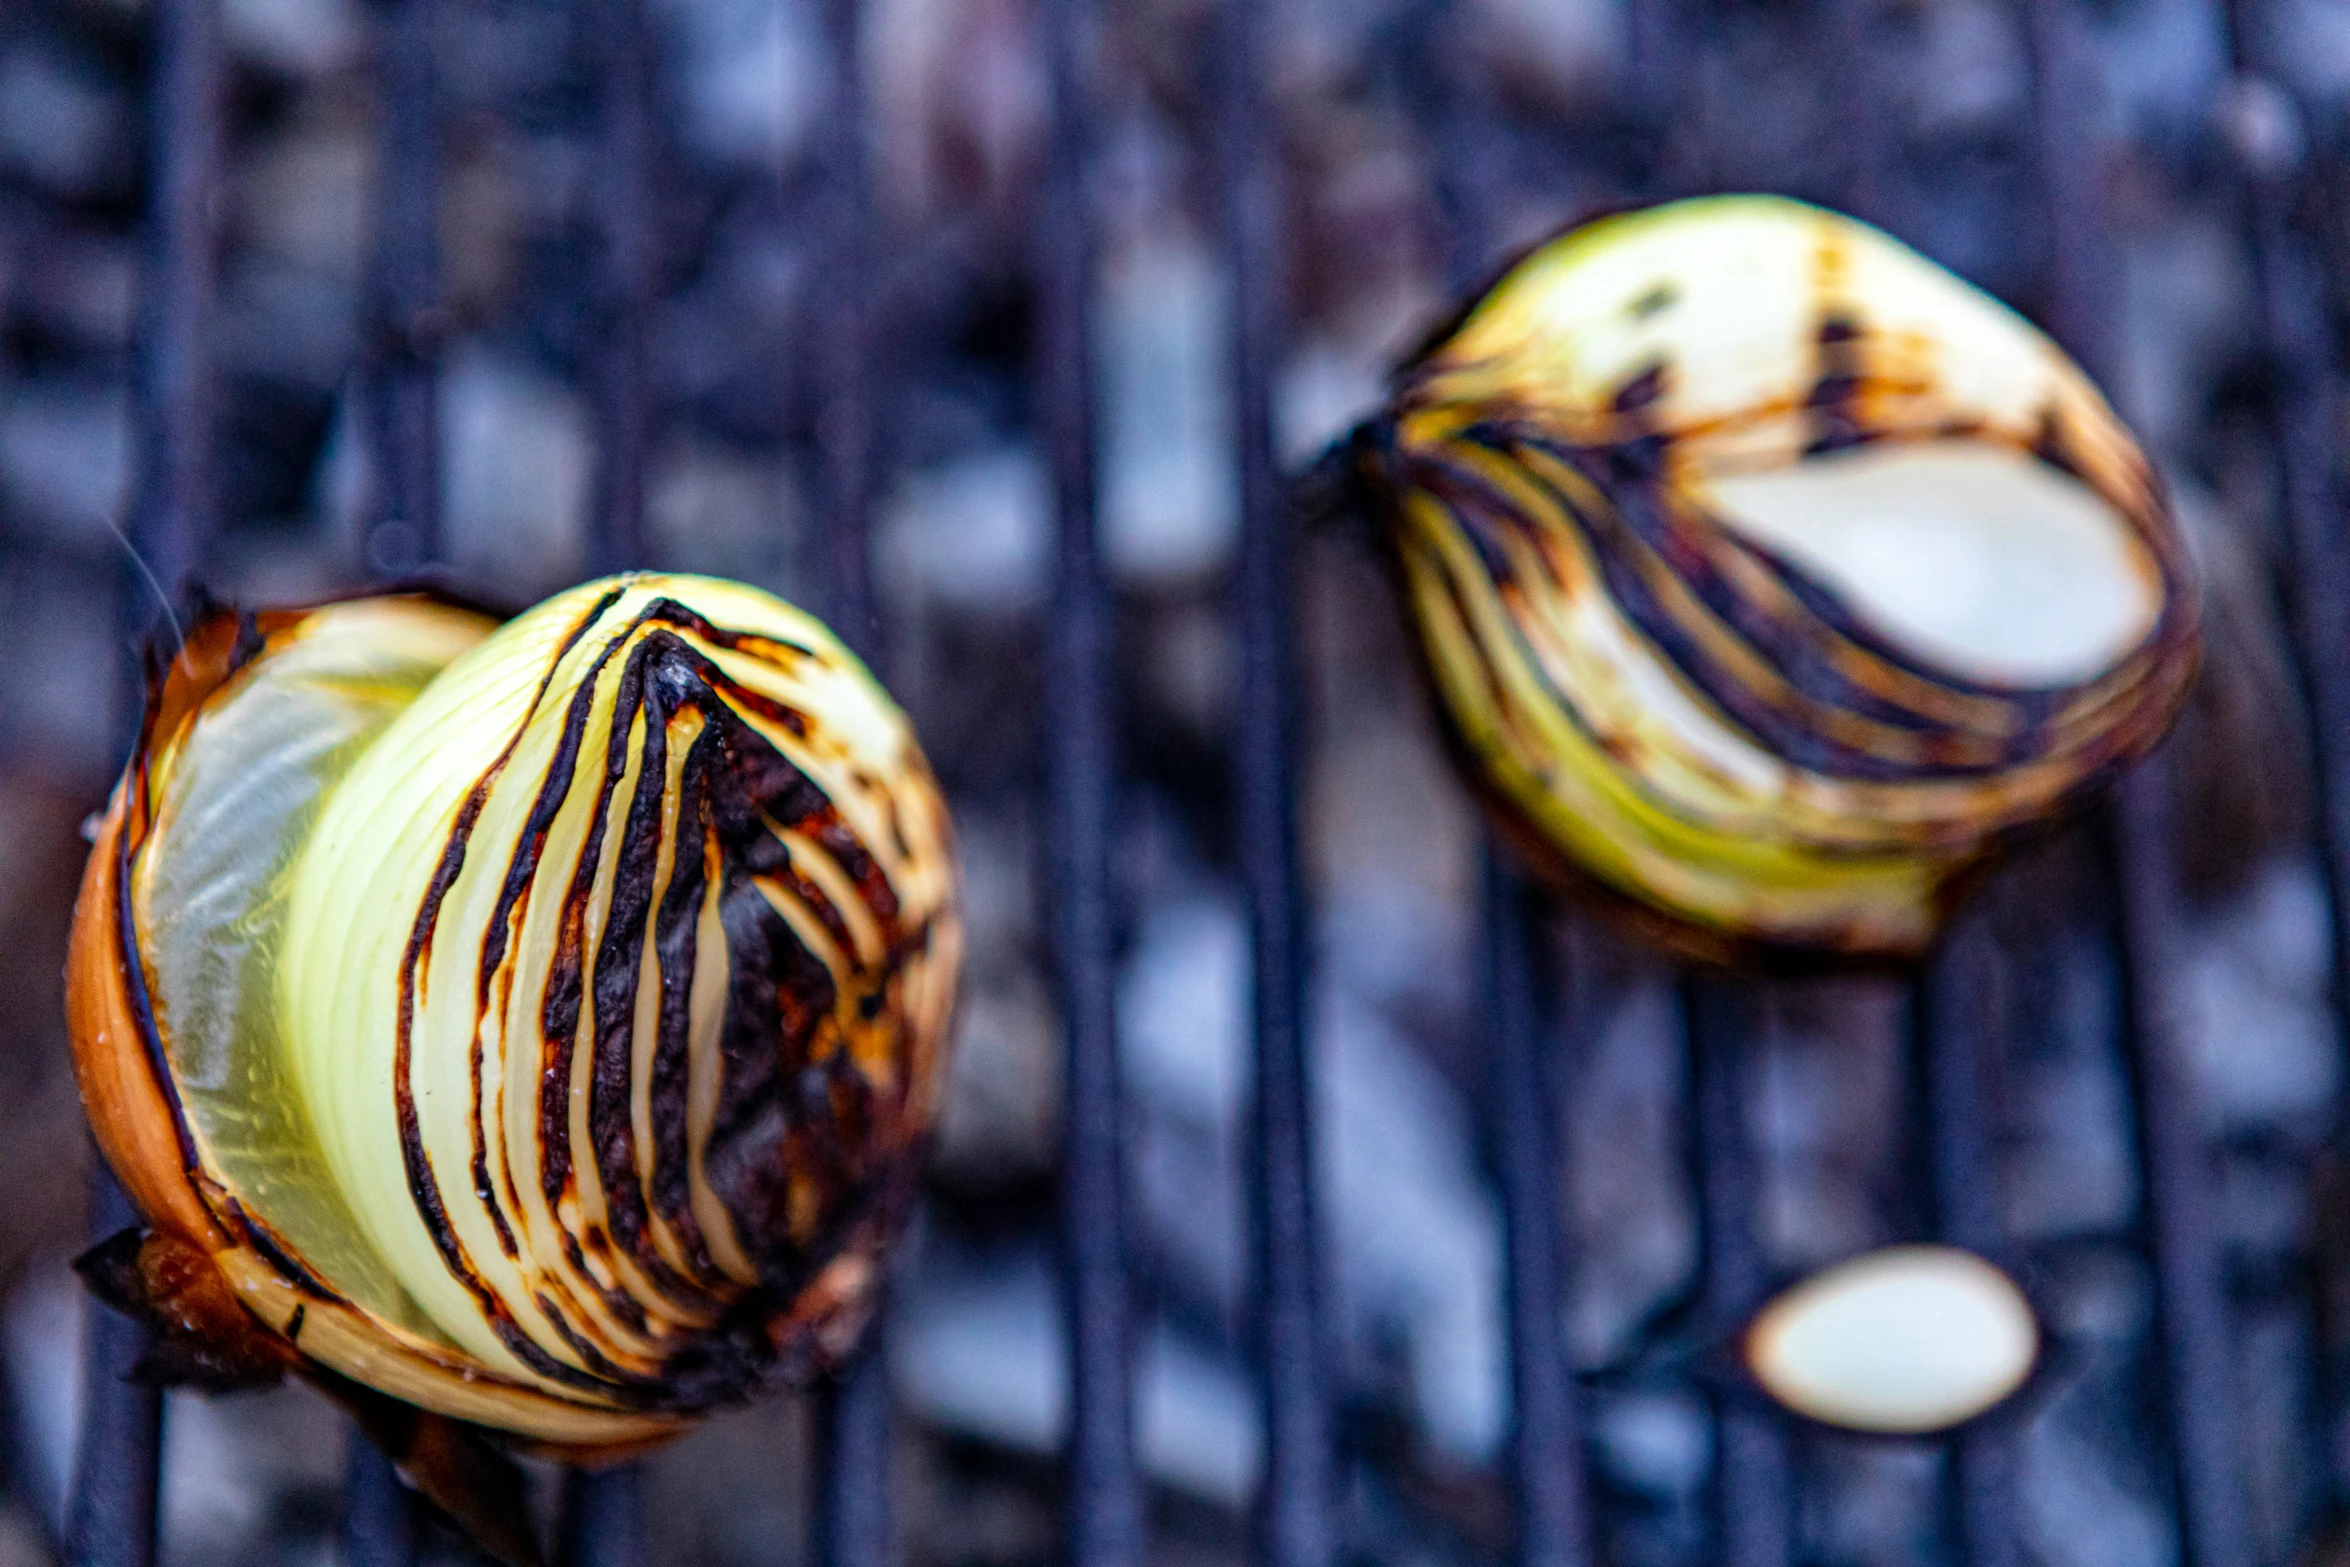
{"x": 794, "y": 1054}
{"x": 1701, "y": 732}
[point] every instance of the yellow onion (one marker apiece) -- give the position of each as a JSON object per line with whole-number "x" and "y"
{"x": 535, "y": 1024}
{"x": 1770, "y": 575}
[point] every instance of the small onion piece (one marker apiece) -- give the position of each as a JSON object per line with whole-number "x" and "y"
{"x": 1909, "y": 1340}
{"x": 536, "y": 1024}
{"x": 1770, "y": 576}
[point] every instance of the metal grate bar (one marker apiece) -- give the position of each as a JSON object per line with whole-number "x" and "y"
{"x": 1753, "y": 1478}
{"x": 2290, "y": 278}
{"x": 853, "y": 1418}
{"x": 853, "y": 1527}
{"x": 2197, "y": 1345}
{"x": 601, "y": 1523}
{"x": 110, "y": 1516}
{"x": 176, "y": 405}
{"x": 1554, "y": 1509}
{"x": 1753, "y": 1509}
{"x": 603, "y": 1518}
{"x": 406, "y": 325}
{"x": 111, "y": 1512}
{"x": 1950, "y": 1022}
{"x": 1294, "y": 1517}
{"x": 1955, "y": 1026}
{"x": 845, "y": 342}
{"x": 2190, "y": 1287}
{"x": 1105, "y": 1522}
{"x": 2291, "y": 282}
{"x": 622, "y": 41}
{"x": 379, "y": 1512}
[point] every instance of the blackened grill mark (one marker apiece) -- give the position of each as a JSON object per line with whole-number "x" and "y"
{"x": 2051, "y": 446}
{"x": 527, "y": 1350}
{"x": 623, "y": 1305}
{"x": 781, "y": 1115}
{"x": 670, "y": 612}
{"x": 780, "y": 864}
{"x": 559, "y": 1019}
{"x": 724, "y": 1365}
{"x": 777, "y": 713}
{"x": 865, "y": 872}
{"x": 676, "y": 942}
{"x": 1642, "y": 391}
{"x": 787, "y": 794}
{"x": 557, "y": 1307}
{"x": 553, "y": 791}
{"x": 770, "y": 789}
{"x": 1656, "y": 299}
{"x": 1485, "y": 540}
{"x": 2035, "y": 719}
{"x": 294, "y": 1322}
{"x": 1788, "y": 648}
{"x": 277, "y": 1253}
{"x": 513, "y": 903}
{"x": 482, "y": 1121}
{"x": 750, "y": 645}
{"x": 1642, "y": 517}
{"x": 778, "y": 999}
{"x": 1836, "y": 422}
{"x": 423, "y": 1186}
{"x": 1680, "y": 535}
{"x": 560, "y": 1022}
{"x": 521, "y": 875}
{"x": 598, "y": 1363}
{"x": 618, "y": 971}
{"x": 778, "y": 1112}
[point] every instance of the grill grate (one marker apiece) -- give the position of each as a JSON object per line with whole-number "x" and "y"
{"x": 112, "y": 1518}
{"x": 2189, "y": 1286}
{"x": 1105, "y": 1525}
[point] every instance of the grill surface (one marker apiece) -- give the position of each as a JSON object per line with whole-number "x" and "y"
{"x": 1759, "y": 1464}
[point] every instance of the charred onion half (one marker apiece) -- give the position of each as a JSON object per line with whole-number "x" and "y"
{"x": 533, "y": 1024}
{"x": 1770, "y": 576}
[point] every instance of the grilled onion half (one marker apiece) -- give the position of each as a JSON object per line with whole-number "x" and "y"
{"x": 535, "y": 1024}
{"x": 1770, "y": 575}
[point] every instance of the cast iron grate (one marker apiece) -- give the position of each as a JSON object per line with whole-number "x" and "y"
{"x": 113, "y": 1514}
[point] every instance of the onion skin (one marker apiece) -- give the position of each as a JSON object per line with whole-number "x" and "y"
{"x": 234, "y": 1301}
{"x": 1673, "y": 719}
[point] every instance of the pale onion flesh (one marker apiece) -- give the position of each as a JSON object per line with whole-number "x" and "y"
{"x": 1771, "y": 577}
{"x": 1909, "y": 1340}
{"x": 548, "y": 1015}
